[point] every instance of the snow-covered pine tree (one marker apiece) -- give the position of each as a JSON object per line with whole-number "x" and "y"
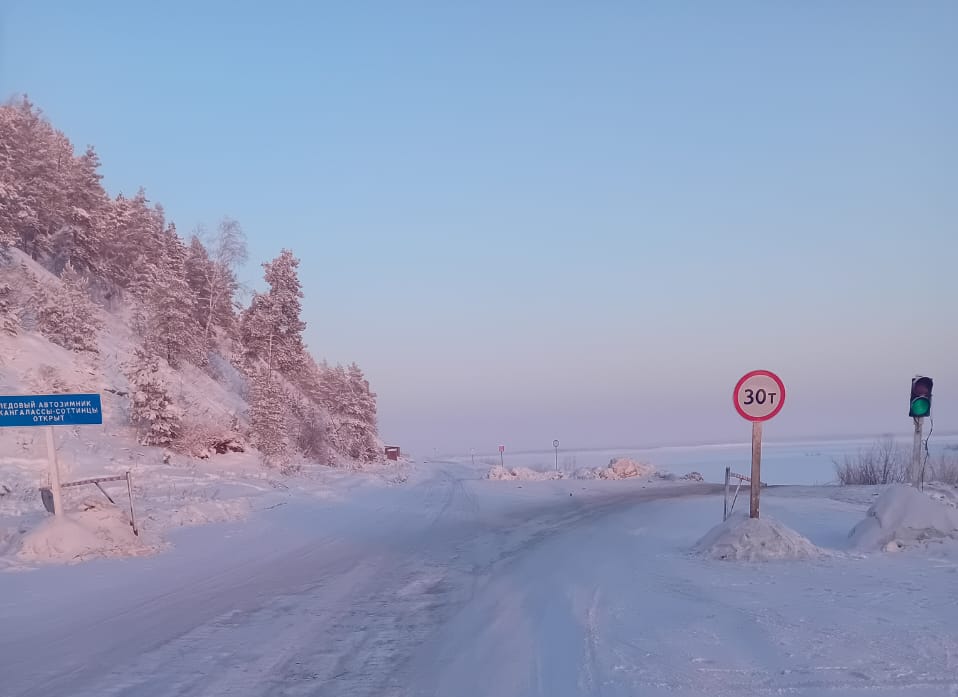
{"x": 211, "y": 273}
{"x": 152, "y": 411}
{"x": 9, "y": 319}
{"x": 79, "y": 241}
{"x": 131, "y": 229}
{"x": 67, "y": 316}
{"x": 271, "y": 328}
{"x": 270, "y": 420}
{"x": 362, "y": 398}
{"x": 352, "y": 408}
{"x": 171, "y": 330}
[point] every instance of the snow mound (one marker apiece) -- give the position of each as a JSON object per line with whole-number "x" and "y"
{"x": 500, "y": 473}
{"x": 618, "y": 468}
{"x": 742, "y": 538}
{"x": 101, "y": 530}
{"x": 903, "y": 515}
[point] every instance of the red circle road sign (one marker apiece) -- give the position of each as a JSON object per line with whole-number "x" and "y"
{"x": 759, "y": 395}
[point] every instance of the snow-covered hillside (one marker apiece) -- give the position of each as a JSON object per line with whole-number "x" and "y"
{"x": 206, "y": 400}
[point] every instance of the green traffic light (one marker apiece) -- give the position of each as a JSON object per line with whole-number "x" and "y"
{"x": 920, "y": 406}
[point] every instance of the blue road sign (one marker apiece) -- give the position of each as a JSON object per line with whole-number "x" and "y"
{"x": 50, "y": 410}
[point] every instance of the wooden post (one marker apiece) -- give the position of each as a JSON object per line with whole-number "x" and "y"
{"x": 916, "y": 473}
{"x": 54, "y": 473}
{"x": 728, "y": 476}
{"x": 129, "y": 488}
{"x": 756, "y": 482}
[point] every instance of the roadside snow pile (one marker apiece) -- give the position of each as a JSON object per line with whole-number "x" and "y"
{"x": 618, "y": 468}
{"x": 742, "y": 538}
{"x": 500, "y": 473}
{"x": 903, "y": 515}
{"x": 101, "y": 530}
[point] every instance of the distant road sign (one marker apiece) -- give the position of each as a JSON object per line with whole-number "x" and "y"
{"x": 50, "y": 410}
{"x": 759, "y": 395}
{"x": 555, "y": 443}
{"x": 502, "y": 449}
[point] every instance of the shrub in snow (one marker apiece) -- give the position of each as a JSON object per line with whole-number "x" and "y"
{"x": 904, "y": 515}
{"x": 755, "y": 539}
{"x": 203, "y": 439}
{"x": 152, "y": 411}
{"x": 693, "y": 477}
{"x": 883, "y": 463}
{"x": 944, "y": 470}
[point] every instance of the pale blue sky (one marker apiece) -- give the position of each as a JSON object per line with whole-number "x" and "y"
{"x": 570, "y": 219}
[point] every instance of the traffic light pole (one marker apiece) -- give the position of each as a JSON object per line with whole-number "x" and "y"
{"x": 916, "y": 473}
{"x": 756, "y": 482}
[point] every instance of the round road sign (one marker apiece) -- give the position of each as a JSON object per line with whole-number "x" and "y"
{"x": 759, "y": 395}
{"x": 555, "y": 443}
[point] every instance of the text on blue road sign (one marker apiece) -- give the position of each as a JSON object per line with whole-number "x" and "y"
{"x": 50, "y": 410}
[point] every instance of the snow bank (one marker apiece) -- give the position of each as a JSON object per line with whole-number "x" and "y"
{"x": 755, "y": 539}
{"x": 901, "y": 516}
{"x": 500, "y": 473}
{"x": 618, "y": 468}
{"x": 101, "y": 530}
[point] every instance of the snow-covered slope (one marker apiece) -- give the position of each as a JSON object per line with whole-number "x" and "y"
{"x": 171, "y": 488}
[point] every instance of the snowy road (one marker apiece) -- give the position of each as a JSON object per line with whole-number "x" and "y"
{"x": 455, "y": 586}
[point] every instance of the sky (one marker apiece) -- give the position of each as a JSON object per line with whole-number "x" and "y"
{"x": 571, "y": 220}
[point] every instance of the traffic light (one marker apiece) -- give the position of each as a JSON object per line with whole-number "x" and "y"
{"x": 920, "y": 397}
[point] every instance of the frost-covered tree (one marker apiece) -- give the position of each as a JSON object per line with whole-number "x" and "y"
{"x": 352, "y": 407}
{"x": 270, "y": 420}
{"x": 132, "y": 230}
{"x": 9, "y": 319}
{"x": 169, "y": 307}
{"x": 211, "y": 273}
{"x": 271, "y": 328}
{"x": 152, "y": 411}
{"x": 66, "y": 315}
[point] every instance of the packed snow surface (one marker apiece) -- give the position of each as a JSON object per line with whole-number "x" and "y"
{"x": 755, "y": 539}
{"x": 904, "y": 516}
{"x": 451, "y": 584}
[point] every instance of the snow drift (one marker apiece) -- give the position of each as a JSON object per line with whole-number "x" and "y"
{"x": 618, "y": 468}
{"x": 100, "y": 530}
{"x": 500, "y": 473}
{"x": 742, "y": 538}
{"x": 901, "y": 516}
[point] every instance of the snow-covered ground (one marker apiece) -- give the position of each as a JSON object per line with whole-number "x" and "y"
{"x": 809, "y": 462}
{"x": 453, "y": 584}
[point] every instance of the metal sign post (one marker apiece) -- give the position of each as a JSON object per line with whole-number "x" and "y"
{"x": 555, "y": 444}
{"x": 502, "y": 461}
{"x": 20, "y": 411}
{"x": 758, "y": 396}
{"x": 54, "y": 469}
{"x": 916, "y": 473}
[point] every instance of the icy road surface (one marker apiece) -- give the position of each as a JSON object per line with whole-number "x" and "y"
{"x": 459, "y": 587}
